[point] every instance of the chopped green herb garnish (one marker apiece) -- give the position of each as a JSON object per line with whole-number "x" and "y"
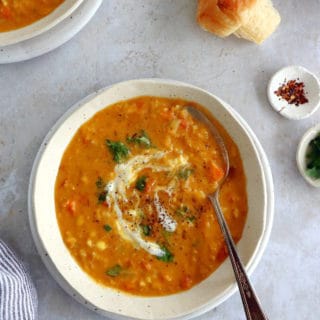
{"x": 166, "y": 234}
{"x": 100, "y": 183}
{"x": 141, "y": 183}
{"x": 146, "y": 230}
{"x": 140, "y": 138}
{"x": 102, "y": 196}
{"x": 185, "y": 173}
{"x": 107, "y": 227}
{"x": 167, "y": 257}
{"x": 313, "y": 158}
{"x": 118, "y": 150}
{"x": 182, "y": 211}
{"x": 114, "y": 271}
{"x": 140, "y": 213}
{"x": 191, "y": 218}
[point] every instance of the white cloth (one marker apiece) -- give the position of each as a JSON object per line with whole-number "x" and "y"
{"x": 18, "y": 297}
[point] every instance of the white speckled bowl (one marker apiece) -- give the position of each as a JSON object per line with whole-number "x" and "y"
{"x": 40, "y": 26}
{"x": 312, "y": 90}
{"x": 302, "y": 151}
{"x": 118, "y": 305}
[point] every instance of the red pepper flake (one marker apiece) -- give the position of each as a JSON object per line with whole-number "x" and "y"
{"x": 293, "y": 92}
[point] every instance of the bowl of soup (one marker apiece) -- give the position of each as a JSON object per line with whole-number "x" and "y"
{"x": 118, "y": 201}
{"x": 24, "y": 19}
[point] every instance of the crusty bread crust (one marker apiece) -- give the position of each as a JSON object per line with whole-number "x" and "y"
{"x": 254, "y": 20}
{"x": 261, "y": 22}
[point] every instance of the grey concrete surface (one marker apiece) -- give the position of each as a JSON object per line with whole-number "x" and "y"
{"x": 160, "y": 38}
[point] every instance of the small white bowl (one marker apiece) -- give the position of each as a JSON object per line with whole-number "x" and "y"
{"x": 40, "y": 26}
{"x": 312, "y": 90}
{"x": 301, "y": 154}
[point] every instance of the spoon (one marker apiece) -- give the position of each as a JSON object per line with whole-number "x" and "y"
{"x": 250, "y": 301}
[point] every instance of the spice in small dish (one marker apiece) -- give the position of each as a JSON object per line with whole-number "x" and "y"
{"x": 293, "y": 92}
{"x": 313, "y": 158}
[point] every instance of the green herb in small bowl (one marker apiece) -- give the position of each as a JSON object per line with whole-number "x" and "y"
{"x": 308, "y": 156}
{"x": 313, "y": 158}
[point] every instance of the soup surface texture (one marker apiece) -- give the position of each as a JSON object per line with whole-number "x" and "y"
{"x": 131, "y": 197}
{"x": 15, "y": 14}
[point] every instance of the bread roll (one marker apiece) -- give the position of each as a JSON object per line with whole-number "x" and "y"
{"x": 254, "y": 20}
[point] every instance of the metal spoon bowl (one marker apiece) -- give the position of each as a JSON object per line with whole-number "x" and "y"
{"x": 250, "y": 301}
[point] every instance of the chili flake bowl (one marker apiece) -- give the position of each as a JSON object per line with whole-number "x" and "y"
{"x": 311, "y": 89}
{"x": 302, "y": 153}
{"x": 116, "y": 304}
{"x": 38, "y": 27}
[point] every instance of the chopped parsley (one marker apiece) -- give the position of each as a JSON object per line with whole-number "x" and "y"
{"x": 146, "y": 230}
{"x": 166, "y": 235}
{"x": 313, "y": 158}
{"x": 168, "y": 256}
{"x": 118, "y": 150}
{"x": 100, "y": 183}
{"x": 107, "y": 227}
{"x": 140, "y": 213}
{"x": 185, "y": 212}
{"x": 114, "y": 271}
{"x": 185, "y": 173}
{"x": 102, "y": 196}
{"x": 182, "y": 211}
{"x": 141, "y": 139}
{"x": 141, "y": 183}
{"x": 191, "y": 218}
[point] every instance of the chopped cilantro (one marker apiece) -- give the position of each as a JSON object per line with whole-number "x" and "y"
{"x": 313, "y": 158}
{"x": 107, "y": 227}
{"x": 140, "y": 138}
{"x": 191, "y": 218}
{"x": 100, "y": 183}
{"x": 313, "y": 173}
{"x": 114, "y": 271}
{"x": 167, "y": 257}
{"x": 166, "y": 235}
{"x": 102, "y": 196}
{"x": 141, "y": 183}
{"x": 146, "y": 230}
{"x": 118, "y": 150}
{"x": 182, "y": 211}
{"x": 185, "y": 173}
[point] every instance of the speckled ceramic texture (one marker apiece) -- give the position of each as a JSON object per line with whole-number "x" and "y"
{"x": 312, "y": 90}
{"x": 40, "y": 26}
{"x": 109, "y": 302}
{"x": 53, "y": 38}
{"x": 302, "y": 152}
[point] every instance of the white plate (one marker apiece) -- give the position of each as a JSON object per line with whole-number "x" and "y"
{"x": 40, "y": 26}
{"x": 109, "y": 302}
{"x": 302, "y": 151}
{"x": 53, "y": 38}
{"x": 312, "y": 90}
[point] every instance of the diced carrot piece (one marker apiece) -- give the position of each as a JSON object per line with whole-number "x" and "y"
{"x": 167, "y": 115}
{"x": 71, "y": 206}
{"x": 146, "y": 265}
{"x": 215, "y": 172}
{"x": 183, "y": 124}
{"x": 186, "y": 282}
{"x": 149, "y": 185}
{"x": 5, "y": 12}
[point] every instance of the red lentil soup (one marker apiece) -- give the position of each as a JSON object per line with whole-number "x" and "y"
{"x": 15, "y": 14}
{"x": 131, "y": 197}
